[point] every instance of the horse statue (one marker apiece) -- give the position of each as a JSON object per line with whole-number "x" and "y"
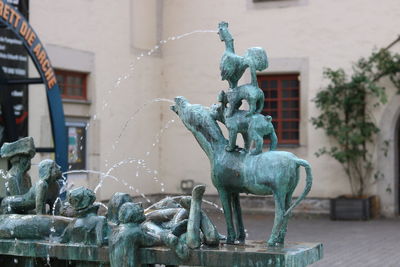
{"x": 269, "y": 173}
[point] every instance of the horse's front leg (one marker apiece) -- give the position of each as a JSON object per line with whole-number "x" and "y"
{"x": 237, "y": 211}
{"x": 227, "y": 206}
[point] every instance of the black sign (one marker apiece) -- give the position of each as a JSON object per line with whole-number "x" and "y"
{"x": 14, "y": 66}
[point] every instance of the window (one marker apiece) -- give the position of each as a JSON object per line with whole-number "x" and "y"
{"x": 72, "y": 84}
{"x": 282, "y": 102}
{"x": 76, "y": 145}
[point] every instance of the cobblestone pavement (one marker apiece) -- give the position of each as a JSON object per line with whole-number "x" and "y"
{"x": 346, "y": 243}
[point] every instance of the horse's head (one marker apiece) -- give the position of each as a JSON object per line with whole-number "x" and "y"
{"x": 190, "y": 114}
{"x": 199, "y": 121}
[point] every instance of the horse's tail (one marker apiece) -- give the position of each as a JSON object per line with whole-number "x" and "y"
{"x": 307, "y": 167}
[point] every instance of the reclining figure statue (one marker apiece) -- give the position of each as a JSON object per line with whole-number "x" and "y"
{"x": 178, "y": 226}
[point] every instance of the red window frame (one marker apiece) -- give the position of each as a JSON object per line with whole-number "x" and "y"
{"x": 282, "y": 102}
{"x": 63, "y": 84}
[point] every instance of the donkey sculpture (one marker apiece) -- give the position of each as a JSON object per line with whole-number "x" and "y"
{"x": 232, "y": 173}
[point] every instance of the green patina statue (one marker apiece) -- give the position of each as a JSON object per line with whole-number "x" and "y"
{"x": 185, "y": 216}
{"x": 179, "y": 226}
{"x": 45, "y": 191}
{"x": 235, "y": 170}
{"x": 19, "y": 154}
{"x": 232, "y": 173}
{"x": 252, "y": 94}
{"x": 252, "y": 128}
{"x": 87, "y": 228}
{"x": 129, "y": 236}
{"x": 115, "y": 203}
{"x": 233, "y": 66}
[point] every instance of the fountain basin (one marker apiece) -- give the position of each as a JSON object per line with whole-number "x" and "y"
{"x": 37, "y": 227}
{"x": 254, "y": 253}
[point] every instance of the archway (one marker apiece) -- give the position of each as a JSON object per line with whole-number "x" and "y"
{"x": 16, "y": 22}
{"x": 388, "y": 151}
{"x": 397, "y": 160}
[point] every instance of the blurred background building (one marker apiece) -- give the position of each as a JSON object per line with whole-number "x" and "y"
{"x": 113, "y": 58}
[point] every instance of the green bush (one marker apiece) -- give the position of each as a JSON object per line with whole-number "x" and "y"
{"x": 345, "y": 106}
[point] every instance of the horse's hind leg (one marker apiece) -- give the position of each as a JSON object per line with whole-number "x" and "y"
{"x": 282, "y": 232}
{"x": 279, "y": 217}
{"x": 237, "y": 211}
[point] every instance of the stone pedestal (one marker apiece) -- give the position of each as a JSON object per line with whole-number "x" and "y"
{"x": 253, "y": 254}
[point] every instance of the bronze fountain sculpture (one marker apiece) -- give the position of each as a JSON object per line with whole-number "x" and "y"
{"x": 236, "y": 170}
{"x": 172, "y": 231}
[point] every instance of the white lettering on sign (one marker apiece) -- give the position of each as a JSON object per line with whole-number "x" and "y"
{"x": 13, "y": 2}
{"x": 10, "y": 41}
{"x": 14, "y": 71}
{"x": 14, "y": 57}
{"x": 16, "y": 93}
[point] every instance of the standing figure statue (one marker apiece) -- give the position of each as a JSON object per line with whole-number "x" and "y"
{"x": 19, "y": 154}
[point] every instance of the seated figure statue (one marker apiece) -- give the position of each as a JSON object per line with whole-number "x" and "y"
{"x": 45, "y": 191}
{"x": 88, "y": 228}
{"x": 19, "y": 154}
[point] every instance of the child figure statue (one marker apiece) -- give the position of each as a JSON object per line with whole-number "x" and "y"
{"x": 87, "y": 228}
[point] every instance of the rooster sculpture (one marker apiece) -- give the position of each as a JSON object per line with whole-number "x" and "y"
{"x": 233, "y": 66}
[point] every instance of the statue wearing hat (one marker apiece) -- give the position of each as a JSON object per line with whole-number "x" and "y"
{"x": 19, "y": 155}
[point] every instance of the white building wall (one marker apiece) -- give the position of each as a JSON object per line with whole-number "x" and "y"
{"x": 324, "y": 33}
{"x": 302, "y": 36}
{"x": 103, "y": 29}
